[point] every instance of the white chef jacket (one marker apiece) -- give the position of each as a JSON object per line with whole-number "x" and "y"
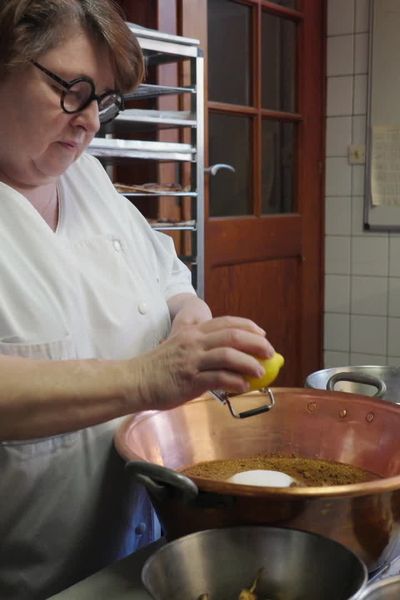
{"x": 97, "y": 287}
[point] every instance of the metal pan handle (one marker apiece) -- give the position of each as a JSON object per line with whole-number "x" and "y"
{"x": 161, "y": 482}
{"x": 358, "y": 378}
{"x": 226, "y": 398}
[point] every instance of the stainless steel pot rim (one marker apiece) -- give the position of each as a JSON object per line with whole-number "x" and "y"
{"x": 267, "y": 529}
{"x": 384, "y": 380}
{"x": 386, "y": 582}
{"x": 345, "y": 368}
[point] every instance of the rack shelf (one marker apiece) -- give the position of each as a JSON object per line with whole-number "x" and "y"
{"x": 163, "y": 47}
{"x": 173, "y": 226}
{"x": 147, "y": 90}
{"x": 108, "y": 147}
{"x": 158, "y": 49}
{"x": 141, "y": 120}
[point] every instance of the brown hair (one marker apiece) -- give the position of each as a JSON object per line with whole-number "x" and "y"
{"x": 29, "y": 28}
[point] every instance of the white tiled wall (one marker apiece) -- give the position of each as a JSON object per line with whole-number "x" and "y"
{"x": 362, "y": 269}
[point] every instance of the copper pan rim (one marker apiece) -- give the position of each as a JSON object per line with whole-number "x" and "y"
{"x": 356, "y": 489}
{"x": 368, "y": 488}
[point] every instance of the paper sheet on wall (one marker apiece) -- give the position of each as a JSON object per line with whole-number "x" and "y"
{"x": 385, "y": 165}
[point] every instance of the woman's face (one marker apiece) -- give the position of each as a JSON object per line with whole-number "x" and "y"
{"x": 40, "y": 141}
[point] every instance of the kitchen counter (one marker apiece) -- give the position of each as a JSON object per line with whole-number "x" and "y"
{"x": 120, "y": 581}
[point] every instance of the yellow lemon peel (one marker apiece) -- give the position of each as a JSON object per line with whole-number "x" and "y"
{"x": 272, "y": 366}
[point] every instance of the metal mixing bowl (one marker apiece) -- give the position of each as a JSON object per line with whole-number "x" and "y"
{"x": 222, "y": 562}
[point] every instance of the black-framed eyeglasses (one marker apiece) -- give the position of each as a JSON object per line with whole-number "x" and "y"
{"x": 77, "y": 94}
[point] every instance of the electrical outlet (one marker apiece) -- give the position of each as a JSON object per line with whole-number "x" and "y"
{"x": 356, "y": 154}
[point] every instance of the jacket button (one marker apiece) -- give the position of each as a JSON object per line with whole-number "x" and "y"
{"x": 117, "y": 245}
{"x": 142, "y": 308}
{"x": 140, "y": 529}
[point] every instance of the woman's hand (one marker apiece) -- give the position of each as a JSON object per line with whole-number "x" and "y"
{"x": 186, "y": 310}
{"x": 40, "y": 397}
{"x": 215, "y": 354}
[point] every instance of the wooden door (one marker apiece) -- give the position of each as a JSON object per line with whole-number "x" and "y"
{"x": 263, "y": 231}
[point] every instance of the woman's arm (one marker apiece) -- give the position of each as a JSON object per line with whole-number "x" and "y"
{"x": 187, "y": 309}
{"x": 39, "y": 398}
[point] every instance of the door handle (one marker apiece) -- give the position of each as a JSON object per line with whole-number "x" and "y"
{"x": 213, "y": 169}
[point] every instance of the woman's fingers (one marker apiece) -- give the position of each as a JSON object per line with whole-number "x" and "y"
{"x": 230, "y": 359}
{"x": 238, "y": 333}
{"x": 228, "y": 322}
{"x": 222, "y": 380}
{"x": 239, "y": 339}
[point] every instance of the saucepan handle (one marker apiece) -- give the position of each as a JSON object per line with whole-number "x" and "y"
{"x": 161, "y": 482}
{"x": 226, "y": 399}
{"x": 358, "y": 378}
{"x": 389, "y": 568}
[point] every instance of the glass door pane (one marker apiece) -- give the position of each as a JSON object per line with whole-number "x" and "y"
{"x": 278, "y": 63}
{"x": 277, "y": 166}
{"x": 229, "y": 52}
{"x": 230, "y": 141}
{"x": 266, "y": 185}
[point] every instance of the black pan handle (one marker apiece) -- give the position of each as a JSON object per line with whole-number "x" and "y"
{"x": 358, "y": 378}
{"x": 161, "y": 482}
{"x": 226, "y": 399}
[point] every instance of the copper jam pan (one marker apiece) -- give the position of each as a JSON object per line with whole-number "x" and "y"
{"x": 338, "y": 426}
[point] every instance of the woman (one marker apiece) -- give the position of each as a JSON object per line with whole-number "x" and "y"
{"x": 88, "y": 291}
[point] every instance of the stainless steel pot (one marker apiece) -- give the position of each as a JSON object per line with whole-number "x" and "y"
{"x": 222, "y": 562}
{"x": 387, "y": 589}
{"x": 379, "y": 381}
{"x": 348, "y": 428}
